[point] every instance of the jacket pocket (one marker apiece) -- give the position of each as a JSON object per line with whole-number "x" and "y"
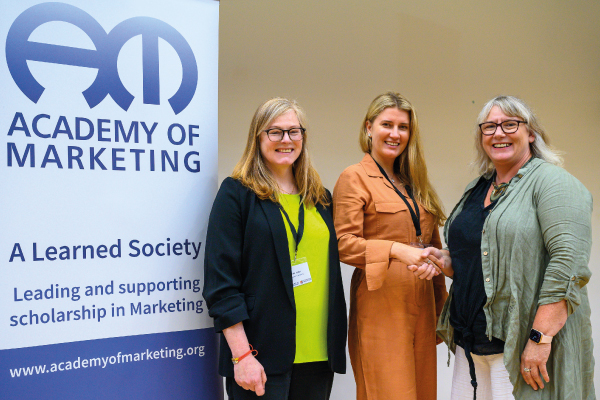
{"x": 390, "y": 207}
{"x": 392, "y": 221}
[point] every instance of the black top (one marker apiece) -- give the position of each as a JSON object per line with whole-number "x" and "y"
{"x": 464, "y": 241}
{"x": 248, "y": 278}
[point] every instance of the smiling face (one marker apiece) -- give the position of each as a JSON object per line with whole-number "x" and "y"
{"x": 390, "y": 132}
{"x": 279, "y": 156}
{"x": 507, "y": 151}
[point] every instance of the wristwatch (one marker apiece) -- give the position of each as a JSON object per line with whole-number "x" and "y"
{"x": 539, "y": 337}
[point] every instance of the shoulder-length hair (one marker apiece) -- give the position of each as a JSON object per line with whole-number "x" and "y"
{"x": 410, "y": 165}
{"x": 252, "y": 171}
{"x": 514, "y": 107}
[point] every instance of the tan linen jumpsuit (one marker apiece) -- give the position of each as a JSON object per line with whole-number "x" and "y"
{"x": 393, "y": 314}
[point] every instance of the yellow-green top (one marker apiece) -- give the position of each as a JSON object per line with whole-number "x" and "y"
{"x": 312, "y": 298}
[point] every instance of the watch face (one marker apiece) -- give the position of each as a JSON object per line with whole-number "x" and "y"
{"x": 535, "y": 336}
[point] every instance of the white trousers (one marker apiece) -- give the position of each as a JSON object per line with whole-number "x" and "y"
{"x": 492, "y": 378}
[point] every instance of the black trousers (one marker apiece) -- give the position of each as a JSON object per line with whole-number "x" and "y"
{"x": 306, "y": 381}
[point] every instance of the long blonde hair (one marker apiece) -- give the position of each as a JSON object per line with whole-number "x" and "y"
{"x": 410, "y": 164}
{"x": 514, "y": 107}
{"x": 252, "y": 171}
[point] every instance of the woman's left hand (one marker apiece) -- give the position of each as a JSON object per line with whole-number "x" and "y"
{"x": 534, "y": 357}
{"x": 549, "y": 318}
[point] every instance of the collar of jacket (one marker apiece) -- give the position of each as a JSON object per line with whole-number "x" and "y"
{"x": 527, "y": 168}
{"x": 524, "y": 170}
{"x": 372, "y": 170}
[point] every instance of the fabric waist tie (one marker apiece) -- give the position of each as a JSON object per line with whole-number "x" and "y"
{"x": 468, "y": 339}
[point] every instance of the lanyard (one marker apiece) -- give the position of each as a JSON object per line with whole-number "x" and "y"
{"x": 297, "y": 235}
{"x": 415, "y": 214}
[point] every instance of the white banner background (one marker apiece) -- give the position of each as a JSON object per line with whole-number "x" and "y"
{"x": 57, "y": 207}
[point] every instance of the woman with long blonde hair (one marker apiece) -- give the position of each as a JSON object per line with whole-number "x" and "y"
{"x": 386, "y": 213}
{"x": 272, "y": 273}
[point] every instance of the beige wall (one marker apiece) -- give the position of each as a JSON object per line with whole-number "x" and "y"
{"x": 448, "y": 58}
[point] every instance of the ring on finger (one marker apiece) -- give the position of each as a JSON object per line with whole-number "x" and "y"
{"x": 525, "y": 369}
{"x": 428, "y": 261}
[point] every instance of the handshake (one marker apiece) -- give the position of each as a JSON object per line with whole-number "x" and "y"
{"x": 426, "y": 262}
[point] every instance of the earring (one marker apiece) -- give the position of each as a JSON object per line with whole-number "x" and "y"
{"x": 369, "y": 134}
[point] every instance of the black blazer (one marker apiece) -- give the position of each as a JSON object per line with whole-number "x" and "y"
{"x": 248, "y": 277}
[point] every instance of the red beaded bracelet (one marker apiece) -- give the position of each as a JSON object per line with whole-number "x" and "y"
{"x": 236, "y": 360}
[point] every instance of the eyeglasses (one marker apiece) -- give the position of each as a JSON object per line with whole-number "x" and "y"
{"x": 276, "y": 134}
{"x": 510, "y": 126}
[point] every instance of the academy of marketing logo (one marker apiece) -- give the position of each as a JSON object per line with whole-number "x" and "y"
{"x": 104, "y": 58}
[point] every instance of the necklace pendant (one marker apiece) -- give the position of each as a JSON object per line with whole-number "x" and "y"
{"x": 498, "y": 191}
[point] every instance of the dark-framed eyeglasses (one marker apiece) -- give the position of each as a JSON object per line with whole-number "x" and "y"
{"x": 276, "y": 134}
{"x": 509, "y": 126}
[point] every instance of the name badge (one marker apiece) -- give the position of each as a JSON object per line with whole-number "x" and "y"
{"x": 300, "y": 272}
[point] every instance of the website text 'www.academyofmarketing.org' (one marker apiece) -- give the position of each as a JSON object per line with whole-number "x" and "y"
{"x": 106, "y": 362}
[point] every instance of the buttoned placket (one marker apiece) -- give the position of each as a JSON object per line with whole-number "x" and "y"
{"x": 486, "y": 259}
{"x": 446, "y": 327}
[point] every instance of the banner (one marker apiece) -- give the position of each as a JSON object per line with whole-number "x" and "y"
{"x": 108, "y": 170}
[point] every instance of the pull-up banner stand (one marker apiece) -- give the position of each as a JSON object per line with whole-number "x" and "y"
{"x": 108, "y": 169}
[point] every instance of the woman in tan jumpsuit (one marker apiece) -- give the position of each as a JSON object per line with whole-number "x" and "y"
{"x": 393, "y": 311}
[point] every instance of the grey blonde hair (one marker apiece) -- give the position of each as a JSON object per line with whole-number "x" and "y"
{"x": 514, "y": 107}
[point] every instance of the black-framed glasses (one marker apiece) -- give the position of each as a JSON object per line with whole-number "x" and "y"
{"x": 276, "y": 134}
{"x": 509, "y": 126}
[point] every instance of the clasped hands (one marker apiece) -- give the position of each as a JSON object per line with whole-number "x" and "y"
{"x": 424, "y": 263}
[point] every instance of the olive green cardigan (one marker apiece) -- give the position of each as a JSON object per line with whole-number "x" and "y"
{"x": 535, "y": 249}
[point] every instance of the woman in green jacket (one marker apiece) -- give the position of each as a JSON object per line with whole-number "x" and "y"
{"x": 519, "y": 240}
